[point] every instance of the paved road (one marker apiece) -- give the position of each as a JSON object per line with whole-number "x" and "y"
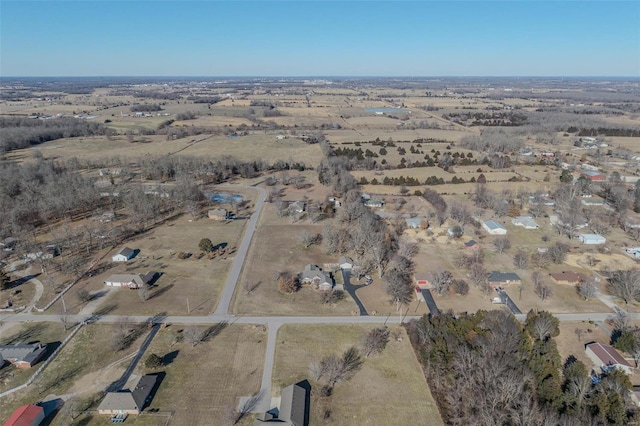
{"x": 428, "y": 299}
{"x": 234, "y": 274}
{"x": 351, "y": 289}
{"x": 508, "y": 301}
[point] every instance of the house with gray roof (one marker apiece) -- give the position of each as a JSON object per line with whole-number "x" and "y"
{"x": 129, "y": 401}
{"x": 494, "y": 228}
{"x": 314, "y": 276}
{"x": 294, "y": 407}
{"x": 22, "y": 355}
{"x": 131, "y": 281}
{"x": 526, "y": 222}
{"x": 498, "y": 279}
{"x": 123, "y": 255}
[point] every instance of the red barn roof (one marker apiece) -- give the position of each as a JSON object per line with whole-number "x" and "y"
{"x": 27, "y": 415}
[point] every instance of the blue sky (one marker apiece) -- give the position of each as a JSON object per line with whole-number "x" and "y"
{"x": 304, "y": 38}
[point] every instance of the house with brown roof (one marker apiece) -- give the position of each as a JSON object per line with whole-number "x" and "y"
{"x": 606, "y": 357}
{"x": 567, "y": 277}
{"x": 131, "y": 281}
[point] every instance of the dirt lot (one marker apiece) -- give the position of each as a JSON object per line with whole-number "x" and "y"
{"x": 389, "y": 389}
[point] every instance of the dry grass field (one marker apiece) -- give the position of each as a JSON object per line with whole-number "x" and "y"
{"x": 276, "y": 248}
{"x": 570, "y": 343}
{"x": 83, "y": 369}
{"x": 390, "y": 389}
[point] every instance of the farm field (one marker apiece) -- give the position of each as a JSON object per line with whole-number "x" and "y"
{"x": 389, "y": 389}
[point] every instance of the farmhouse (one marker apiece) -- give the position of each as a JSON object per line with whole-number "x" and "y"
{"x": 124, "y": 255}
{"x": 591, "y": 239}
{"x": 606, "y": 357}
{"x": 594, "y": 176}
{"x": 131, "y": 281}
{"x": 313, "y": 275}
{"x": 23, "y": 355}
{"x": 127, "y": 401}
{"x": 294, "y": 407}
{"x": 567, "y": 278}
{"x": 494, "y": 228}
{"x": 526, "y": 222}
{"x": 218, "y": 214}
{"x": 498, "y": 279}
{"x": 26, "y": 415}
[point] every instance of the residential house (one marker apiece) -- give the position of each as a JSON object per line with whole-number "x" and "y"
{"x": 594, "y": 176}
{"x": 591, "y": 239}
{"x": 218, "y": 214}
{"x": 314, "y": 276}
{"x": 130, "y": 281}
{"x": 345, "y": 262}
{"x": 124, "y": 255}
{"x": 567, "y": 277}
{"x": 297, "y": 207}
{"x": 526, "y": 222}
{"x": 374, "y": 202}
{"x": 498, "y": 279}
{"x": 128, "y": 401}
{"x": 606, "y": 357}
{"x": 494, "y": 228}
{"x": 26, "y": 415}
{"x": 8, "y": 244}
{"x": 413, "y": 222}
{"x": 423, "y": 279}
{"x": 471, "y": 245}
{"x": 294, "y": 407}
{"x": 599, "y": 202}
{"x": 633, "y": 252}
{"x": 23, "y": 355}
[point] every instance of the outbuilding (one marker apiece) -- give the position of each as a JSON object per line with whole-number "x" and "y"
{"x": 591, "y": 239}
{"x": 124, "y": 255}
{"x": 526, "y": 222}
{"x": 494, "y": 228}
{"x": 26, "y": 415}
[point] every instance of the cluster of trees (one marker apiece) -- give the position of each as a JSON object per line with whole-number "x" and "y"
{"x": 17, "y": 133}
{"x": 187, "y": 115}
{"x": 492, "y": 140}
{"x": 438, "y": 203}
{"x": 488, "y": 118}
{"x": 488, "y": 369}
{"x": 606, "y": 131}
{"x": 146, "y": 108}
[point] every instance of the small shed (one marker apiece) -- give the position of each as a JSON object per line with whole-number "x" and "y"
{"x": 413, "y": 222}
{"x": 124, "y": 255}
{"x": 591, "y": 239}
{"x": 494, "y": 228}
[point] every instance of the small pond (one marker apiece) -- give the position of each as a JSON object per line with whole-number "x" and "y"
{"x": 224, "y": 197}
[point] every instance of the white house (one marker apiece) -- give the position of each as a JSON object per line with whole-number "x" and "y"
{"x": 494, "y": 228}
{"x": 634, "y": 252}
{"x": 606, "y": 357}
{"x": 526, "y": 222}
{"x": 123, "y": 255}
{"x": 591, "y": 239}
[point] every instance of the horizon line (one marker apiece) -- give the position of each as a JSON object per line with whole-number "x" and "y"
{"x": 321, "y": 76}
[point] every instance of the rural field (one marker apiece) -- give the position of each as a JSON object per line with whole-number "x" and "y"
{"x": 389, "y": 389}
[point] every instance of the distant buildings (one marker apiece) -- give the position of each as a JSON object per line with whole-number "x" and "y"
{"x": 591, "y": 239}
{"x": 494, "y": 228}
{"x": 526, "y": 222}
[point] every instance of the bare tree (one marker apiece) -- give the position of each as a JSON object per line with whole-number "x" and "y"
{"x": 542, "y": 290}
{"x": 625, "y": 284}
{"x": 288, "y": 283}
{"x": 478, "y": 275}
{"x": 399, "y": 288}
{"x": 375, "y": 341}
{"x": 620, "y": 320}
{"x": 587, "y": 288}
{"x": 192, "y": 334}
{"x": 460, "y": 287}
{"x": 579, "y": 332}
{"x": 558, "y": 252}
{"x": 441, "y": 281}
{"x": 501, "y": 244}
{"x": 521, "y": 259}
{"x": 307, "y": 239}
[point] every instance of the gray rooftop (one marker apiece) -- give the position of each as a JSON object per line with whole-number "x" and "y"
{"x": 492, "y": 224}
{"x": 501, "y": 277}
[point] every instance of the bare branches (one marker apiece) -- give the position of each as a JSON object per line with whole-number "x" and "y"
{"x": 375, "y": 341}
